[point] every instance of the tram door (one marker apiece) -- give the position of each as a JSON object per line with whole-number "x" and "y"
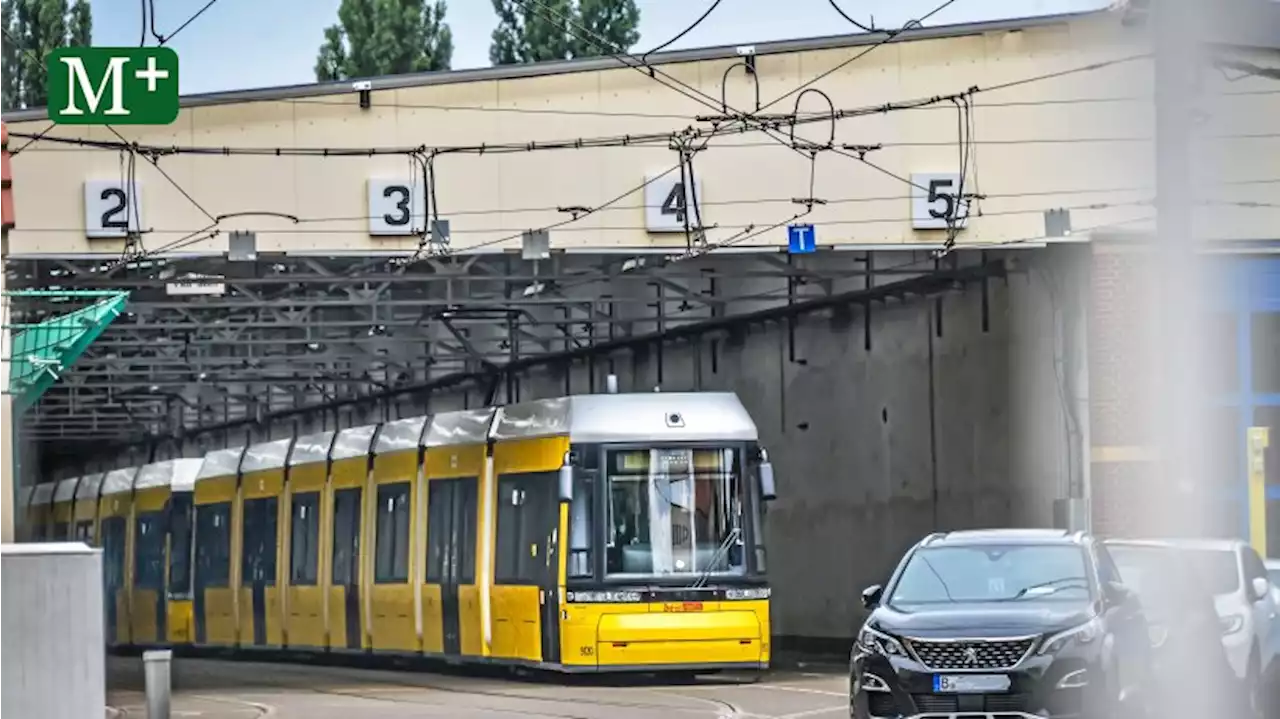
{"x": 546, "y": 510}
{"x": 113, "y": 548}
{"x": 259, "y": 562}
{"x": 451, "y": 541}
{"x": 346, "y": 563}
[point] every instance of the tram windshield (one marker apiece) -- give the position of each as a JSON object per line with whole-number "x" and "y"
{"x": 674, "y": 512}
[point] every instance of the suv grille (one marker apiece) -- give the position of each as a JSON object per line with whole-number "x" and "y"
{"x": 971, "y": 654}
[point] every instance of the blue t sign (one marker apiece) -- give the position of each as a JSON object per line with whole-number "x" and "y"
{"x": 801, "y": 239}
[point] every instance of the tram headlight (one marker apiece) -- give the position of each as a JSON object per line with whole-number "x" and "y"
{"x": 752, "y": 593}
{"x": 604, "y": 597}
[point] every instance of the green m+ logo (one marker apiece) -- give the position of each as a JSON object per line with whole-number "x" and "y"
{"x": 113, "y": 85}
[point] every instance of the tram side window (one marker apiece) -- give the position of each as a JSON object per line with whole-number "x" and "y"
{"x": 259, "y": 555}
{"x": 439, "y": 503}
{"x": 148, "y": 555}
{"x": 346, "y": 536}
{"x": 180, "y": 544}
{"x": 213, "y": 545}
{"x": 113, "y": 532}
{"x": 304, "y": 545}
{"x": 524, "y": 527}
{"x": 466, "y": 531}
{"x": 581, "y": 524}
{"x": 391, "y": 547}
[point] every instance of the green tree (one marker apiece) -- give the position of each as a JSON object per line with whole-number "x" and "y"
{"x": 385, "y": 37}
{"x": 538, "y": 30}
{"x": 33, "y": 28}
{"x": 614, "y": 21}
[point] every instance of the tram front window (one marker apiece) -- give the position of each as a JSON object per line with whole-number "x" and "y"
{"x": 675, "y": 512}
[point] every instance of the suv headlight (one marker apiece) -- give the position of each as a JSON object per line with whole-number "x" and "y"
{"x": 874, "y": 642}
{"x": 1083, "y": 634}
{"x": 1231, "y": 624}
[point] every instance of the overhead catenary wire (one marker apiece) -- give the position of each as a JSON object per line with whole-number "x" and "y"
{"x": 645, "y": 57}
{"x": 622, "y": 140}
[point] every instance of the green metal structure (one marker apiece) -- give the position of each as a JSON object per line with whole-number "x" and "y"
{"x": 41, "y": 352}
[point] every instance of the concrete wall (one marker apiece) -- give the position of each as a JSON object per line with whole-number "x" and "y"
{"x": 930, "y": 429}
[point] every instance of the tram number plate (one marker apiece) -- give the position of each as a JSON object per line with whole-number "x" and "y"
{"x": 970, "y": 683}
{"x": 682, "y": 607}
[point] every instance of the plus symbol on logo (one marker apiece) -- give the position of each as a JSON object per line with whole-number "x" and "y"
{"x": 151, "y": 74}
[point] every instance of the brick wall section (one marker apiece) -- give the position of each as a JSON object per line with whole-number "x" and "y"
{"x": 1131, "y": 494}
{"x": 1120, "y": 312}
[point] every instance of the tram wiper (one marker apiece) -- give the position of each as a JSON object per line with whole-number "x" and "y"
{"x": 724, "y": 546}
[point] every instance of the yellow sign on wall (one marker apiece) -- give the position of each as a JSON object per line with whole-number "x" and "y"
{"x": 1259, "y": 440}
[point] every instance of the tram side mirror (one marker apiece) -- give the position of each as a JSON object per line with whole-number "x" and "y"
{"x": 768, "y": 489}
{"x": 566, "y": 483}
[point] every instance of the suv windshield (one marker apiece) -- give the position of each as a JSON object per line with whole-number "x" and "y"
{"x": 675, "y": 512}
{"x": 1216, "y": 569}
{"x": 992, "y": 573}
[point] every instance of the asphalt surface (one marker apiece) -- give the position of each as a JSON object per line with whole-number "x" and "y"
{"x": 217, "y": 689}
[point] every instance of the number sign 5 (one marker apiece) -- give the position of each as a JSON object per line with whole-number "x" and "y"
{"x": 933, "y": 200}
{"x": 109, "y": 210}
{"x": 396, "y": 207}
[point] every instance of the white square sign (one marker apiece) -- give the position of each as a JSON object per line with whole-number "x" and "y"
{"x": 111, "y": 208}
{"x": 666, "y": 202}
{"x": 397, "y": 206}
{"x": 933, "y": 200}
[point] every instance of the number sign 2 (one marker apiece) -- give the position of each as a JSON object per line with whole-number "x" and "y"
{"x": 666, "y": 202}
{"x": 933, "y": 200}
{"x": 396, "y": 207}
{"x": 109, "y": 211}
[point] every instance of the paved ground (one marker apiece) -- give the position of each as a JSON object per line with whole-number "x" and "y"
{"x": 212, "y": 689}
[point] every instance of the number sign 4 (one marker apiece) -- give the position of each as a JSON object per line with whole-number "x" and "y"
{"x": 933, "y": 200}
{"x": 109, "y": 209}
{"x": 666, "y": 203}
{"x": 396, "y": 207}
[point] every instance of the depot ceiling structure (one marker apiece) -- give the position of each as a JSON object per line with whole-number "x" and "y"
{"x": 207, "y": 345}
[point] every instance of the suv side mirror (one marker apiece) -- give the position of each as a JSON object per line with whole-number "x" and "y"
{"x": 1261, "y": 588}
{"x": 1117, "y": 594}
{"x": 871, "y": 596}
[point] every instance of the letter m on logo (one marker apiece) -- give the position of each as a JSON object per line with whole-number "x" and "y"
{"x": 113, "y": 85}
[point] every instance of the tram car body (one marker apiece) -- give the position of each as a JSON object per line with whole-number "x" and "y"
{"x": 589, "y": 533}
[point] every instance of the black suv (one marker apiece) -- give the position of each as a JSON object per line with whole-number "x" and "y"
{"x": 1001, "y": 624}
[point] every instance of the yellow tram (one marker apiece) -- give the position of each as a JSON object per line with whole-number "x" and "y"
{"x": 596, "y": 533}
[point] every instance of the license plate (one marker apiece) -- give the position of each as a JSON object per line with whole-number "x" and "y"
{"x": 682, "y": 607}
{"x": 970, "y": 683}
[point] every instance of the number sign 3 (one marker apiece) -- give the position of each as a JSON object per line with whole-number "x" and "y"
{"x": 109, "y": 211}
{"x": 933, "y": 200}
{"x": 396, "y": 207}
{"x": 666, "y": 204}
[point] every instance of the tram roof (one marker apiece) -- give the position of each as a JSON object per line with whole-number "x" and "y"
{"x": 65, "y": 490}
{"x": 43, "y": 492}
{"x": 90, "y": 485}
{"x": 266, "y": 455}
{"x": 119, "y": 481}
{"x": 353, "y": 442}
{"x": 637, "y": 417}
{"x": 311, "y": 448}
{"x": 177, "y": 474}
{"x": 220, "y": 463}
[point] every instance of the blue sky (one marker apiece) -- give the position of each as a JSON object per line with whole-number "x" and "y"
{"x": 240, "y": 44}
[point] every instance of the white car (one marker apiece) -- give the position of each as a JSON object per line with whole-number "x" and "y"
{"x": 1244, "y": 596}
